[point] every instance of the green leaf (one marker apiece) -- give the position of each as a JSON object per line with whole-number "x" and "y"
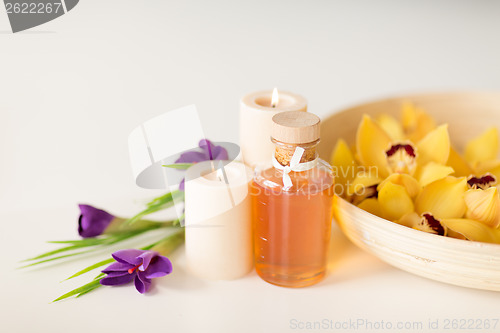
{"x": 157, "y": 204}
{"x": 109, "y": 240}
{"x": 50, "y": 253}
{"x": 88, "y": 291}
{"x": 166, "y": 198}
{"x": 180, "y": 166}
{"x": 92, "y": 267}
{"x": 55, "y": 258}
{"x": 85, "y": 241}
{"x": 82, "y": 290}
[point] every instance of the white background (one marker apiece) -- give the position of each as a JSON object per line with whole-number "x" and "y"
{"x": 72, "y": 89}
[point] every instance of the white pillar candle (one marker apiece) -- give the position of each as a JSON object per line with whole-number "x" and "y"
{"x": 256, "y": 112}
{"x": 218, "y": 225}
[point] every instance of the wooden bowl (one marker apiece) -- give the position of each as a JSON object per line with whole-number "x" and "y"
{"x": 459, "y": 262}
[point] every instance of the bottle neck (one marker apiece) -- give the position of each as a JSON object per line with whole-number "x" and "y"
{"x": 283, "y": 152}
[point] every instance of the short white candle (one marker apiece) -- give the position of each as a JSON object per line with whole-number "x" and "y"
{"x": 218, "y": 222}
{"x": 256, "y": 112}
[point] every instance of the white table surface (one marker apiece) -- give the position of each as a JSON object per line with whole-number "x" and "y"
{"x": 72, "y": 89}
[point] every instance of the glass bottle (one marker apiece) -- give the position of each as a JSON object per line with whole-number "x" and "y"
{"x": 292, "y": 220}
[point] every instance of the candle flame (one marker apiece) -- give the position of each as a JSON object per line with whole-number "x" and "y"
{"x": 275, "y": 98}
{"x": 220, "y": 174}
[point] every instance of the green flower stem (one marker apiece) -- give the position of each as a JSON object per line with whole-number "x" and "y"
{"x": 118, "y": 225}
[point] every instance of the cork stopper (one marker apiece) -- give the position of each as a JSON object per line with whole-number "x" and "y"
{"x": 292, "y": 129}
{"x": 295, "y": 127}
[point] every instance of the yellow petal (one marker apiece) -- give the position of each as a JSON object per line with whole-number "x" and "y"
{"x": 492, "y": 167}
{"x": 408, "y": 116}
{"x": 443, "y": 198}
{"x": 371, "y": 205}
{"x": 371, "y": 144}
{"x": 344, "y": 166}
{"x": 394, "y": 201}
{"x": 483, "y": 206}
{"x": 416, "y": 123}
{"x": 454, "y": 234}
{"x": 391, "y": 126}
{"x": 433, "y": 171}
{"x": 409, "y": 220}
{"x": 473, "y": 230}
{"x": 458, "y": 163}
{"x": 363, "y": 179}
{"x": 408, "y": 182}
{"x": 434, "y": 147}
{"x": 482, "y": 148}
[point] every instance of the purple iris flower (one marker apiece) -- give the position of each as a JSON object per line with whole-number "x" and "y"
{"x": 208, "y": 152}
{"x": 138, "y": 265}
{"x": 92, "y": 221}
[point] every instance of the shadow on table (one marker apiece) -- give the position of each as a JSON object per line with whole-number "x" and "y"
{"x": 348, "y": 263}
{"x": 179, "y": 279}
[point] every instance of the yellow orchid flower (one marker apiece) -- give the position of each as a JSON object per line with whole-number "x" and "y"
{"x": 458, "y": 163}
{"x": 371, "y": 143}
{"x": 402, "y": 158}
{"x": 394, "y": 200}
{"x": 344, "y": 165}
{"x": 482, "y": 148}
{"x": 443, "y": 198}
{"x": 416, "y": 123}
{"x": 435, "y": 146}
{"x": 433, "y": 171}
{"x": 473, "y": 230}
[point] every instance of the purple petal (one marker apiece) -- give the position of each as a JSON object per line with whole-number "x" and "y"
{"x": 117, "y": 267}
{"x": 220, "y": 153}
{"x": 182, "y": 184}
{"x": 207, "y": 146}
{"x": 146, "y": 259}
{"x": 92, "y": 221}
{"x": 191, "y": 157}
{"x": 142, "y": 284}
{"x": 117, "y": 280}
{"x": 160, "y": 266}
{"x": 116, "y": 274}
{"x": 130, "y": 256}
